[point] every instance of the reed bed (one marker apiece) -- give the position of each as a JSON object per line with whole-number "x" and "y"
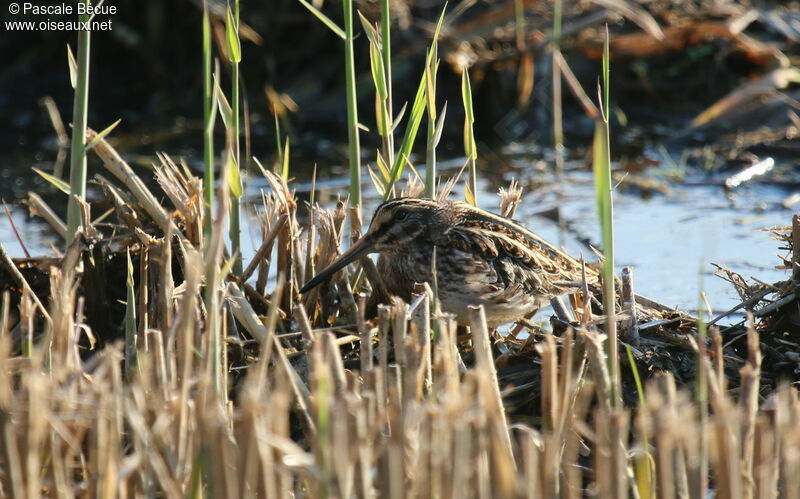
{"x": 311, "y": 396}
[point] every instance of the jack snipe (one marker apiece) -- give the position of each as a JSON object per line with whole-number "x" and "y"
{"x": 481, "y": 258}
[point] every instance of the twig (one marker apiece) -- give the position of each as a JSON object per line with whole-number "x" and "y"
{"x": 746, "y": 303}
{"x": 775, "y": 305}
{"x": 17, "y": 275}
{"x": 14, "y": 228}
{"x": 561, "y": 310}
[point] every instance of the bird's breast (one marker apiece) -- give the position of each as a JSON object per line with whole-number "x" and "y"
{"x": 463, "y": 279}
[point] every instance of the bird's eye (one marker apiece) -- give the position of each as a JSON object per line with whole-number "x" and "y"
{"x": 400, "y": 215}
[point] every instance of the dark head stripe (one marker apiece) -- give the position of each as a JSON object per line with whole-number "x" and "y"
{"x": 410, "y": 202}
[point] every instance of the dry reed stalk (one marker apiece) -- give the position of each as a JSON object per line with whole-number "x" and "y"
{"x": 27, "y": 316}
{"x": 159, "y": 360}
{"x": 253, "y": 457}
{"x": 447, "y": 356}
{"x": 184, "y": 332}
{"x": 510, "y": 199}
{"x": 660, "y": 422}
{"x": 428, "y": 467}
{"x": 748, "y": 406}
{"x": 120, "y": 169}
{"x": 186, "y": 193}
{"x": 719, "y": 355}
{"x": 61, "y": 133}
{"x": 143, "y": 299}
{"x": 490, "y": 392}
{"x": 413, "y": 377}
{"x": 364, "y": 428}
{"x": 264, "y": 253}
{"x": 63, "y": 290}
{"x": 787, "y": 419}
{"x": 425, "y": 332}
{"x": 618, "y": 436}
{"x": 408, "y": 424}
{"x": 381, "y": 381}
{"x": 214, "y": 248}
{"x": 452, "y": 441}
{"x": 6, "y": 261}
{"x": 299, "y": 388}
{"x": 573, "y": 443}
{"x": 5, "y": 329}
{"x": 724, "y": 444}
{"x": 766, "y": 461}
{"x": 366, "y": 356}
{"x": 462, "y": 452}
{"x": 125, "y": 212}
{"x": 301, "y": 317}
{"x": 687, "y": 458}
{"x": 528, "y": 450}
{"x": 566, "y": 380}
{"x": 323, "y": 390}
{"x": 595, "y": 353}
{"x": 551, "y": 411}
{"x": 630, "y": 326}
{"x": 165, "y": 285}
{"x": 285, "y": 204}
{"x": 38, "y": 207}
{"x": 356, "y": 221}
{"x": 326, "y": 252}
{"x": 348, "y": 300}
{"x": 610, "y": 457}
{"x": 399, "y": 310}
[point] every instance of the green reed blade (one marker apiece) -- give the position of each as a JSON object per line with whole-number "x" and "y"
{"x": 80, "y": 108}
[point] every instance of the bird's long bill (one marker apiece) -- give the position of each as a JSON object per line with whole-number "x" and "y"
{"x": 356, "y": 251}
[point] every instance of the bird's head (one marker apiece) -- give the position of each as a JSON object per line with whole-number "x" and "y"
{"x": 395, "y": 226}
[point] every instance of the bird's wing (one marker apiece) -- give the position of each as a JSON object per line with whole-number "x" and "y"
{"x": 518, "y": 256}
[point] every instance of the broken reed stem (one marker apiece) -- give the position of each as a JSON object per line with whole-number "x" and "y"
{"x": 703, "y": 387}
{"x": 264, "y": 249}
{"x": 550, "y": 398}
{"x": 213, "y": 251}
{"x": 425, "y": 339}
{"x": 748, "y": 402}
{"x": 365, "y": 332}
{"x": 631, "y": 328}
{"x": 38, "y": 206}
{"x": 6, "y": 261}
{"x": 485, "y": 365}
{"x": 125, "y": 174}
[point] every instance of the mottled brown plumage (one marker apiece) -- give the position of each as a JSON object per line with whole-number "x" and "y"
{"x": 481, "y": 258}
